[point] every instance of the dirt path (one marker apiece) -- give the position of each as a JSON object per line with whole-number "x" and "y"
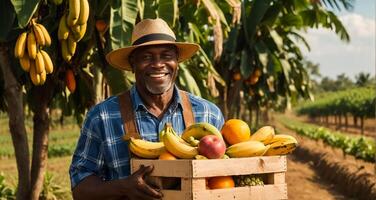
{"x": 303, "y": 181}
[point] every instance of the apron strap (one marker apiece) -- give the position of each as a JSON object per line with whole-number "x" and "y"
{"x": 188, "y": 115}
{"x": 128, "y": 116}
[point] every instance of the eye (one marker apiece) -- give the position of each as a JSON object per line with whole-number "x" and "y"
{"x": 147, "y": 57}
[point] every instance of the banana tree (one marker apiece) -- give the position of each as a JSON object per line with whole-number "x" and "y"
{"x": 263, "y": 55}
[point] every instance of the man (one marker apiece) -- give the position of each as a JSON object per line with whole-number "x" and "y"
{"x": 100, "y": 166}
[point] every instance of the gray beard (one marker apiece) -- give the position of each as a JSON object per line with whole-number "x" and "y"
{"x": 158, "y": 90}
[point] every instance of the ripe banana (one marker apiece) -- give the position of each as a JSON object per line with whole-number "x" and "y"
{"x": 282, "y": 137}
{"x": 71, "y": 45}
{"x": 74, "y": 12}
{"x": 43, "y": 77}
{"x": 199, "y": 130}
{"x": 25, "y": 62}
{"x": 35, "y": 78}
{"x": 65, "y": 51}
{"x": 281, "y": 145}
{"x": 63, "y": 31}
{"x": 84, "y": 12}
{"x": 31, "y": 45}
{"x": 176, "y": 147}
{"x": 46, "y": 35}
{"x": 49, "y": 67}
{"x": 39, "y": 63}
{"x": 264, "y": 134}
{"x": 39, "y": 36}
{"x": 19, "y": 48}
{"x": 247, "y": 149}
{"x": 146, "y": 149}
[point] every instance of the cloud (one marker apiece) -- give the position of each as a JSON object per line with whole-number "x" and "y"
{"x": 335, "y": 56}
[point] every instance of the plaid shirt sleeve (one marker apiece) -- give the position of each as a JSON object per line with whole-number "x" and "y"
{"x": 88, "y": 157}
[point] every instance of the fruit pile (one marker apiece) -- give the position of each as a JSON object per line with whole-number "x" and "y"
{"x": 72, "y": 27}
{"x": 33, "y": 59}
{"x": 204, "y": 141}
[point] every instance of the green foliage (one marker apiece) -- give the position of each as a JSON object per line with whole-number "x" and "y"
{"x": 52, "y": 190}
{"x": 24, "y": 10}
{"x": 359, "y": 102}
{"x": 360, "y": 147}
{"x": 6, "y": 193}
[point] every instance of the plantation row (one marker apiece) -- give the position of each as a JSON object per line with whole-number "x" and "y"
{"x": 359, "y": 102}
{"x": 360, "y": 147}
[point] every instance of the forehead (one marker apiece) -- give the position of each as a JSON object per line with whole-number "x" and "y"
{"x": 155, "y": 48}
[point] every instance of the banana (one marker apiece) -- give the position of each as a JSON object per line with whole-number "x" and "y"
{"x": 31, "y": 45}
{"x": 39, "y": 36}
{"x": 71, "y": 45}
{"x": 39, "y": 63}
{"x": 25, "y": 63}
{"x": 282, "y": 137}
{"x": 46, "y": 35}
{"x": 177, "y": 148}
{"x": 48, "y": 65}
{"x": 35, "y": 78}
{"x": 146, "y": 149}
{"x": 63, "y": 31}
{"x": 79, "y": 31}
{"x": 199, "y": 130}
{"x": 43, "y": 77}
{"x": 264, "y": 134}
{"x": 74, "y": 12}
{"x": 65, "y": 51}
{"x": 19, "y": 48}
{"x": 281, "y": 145}
{"x": 84, "y": 12}
{"x": 247, "y": 149}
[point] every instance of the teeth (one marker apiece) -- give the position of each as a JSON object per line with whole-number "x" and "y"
{"x": 157, "y": 75}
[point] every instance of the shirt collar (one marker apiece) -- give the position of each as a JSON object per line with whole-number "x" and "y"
{"x": 138, "y": 104}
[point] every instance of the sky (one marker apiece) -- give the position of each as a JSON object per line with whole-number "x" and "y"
{"x": 335, "y": 56}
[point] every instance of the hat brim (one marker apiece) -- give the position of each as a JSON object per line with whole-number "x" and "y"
{"x": 119, "y": 58}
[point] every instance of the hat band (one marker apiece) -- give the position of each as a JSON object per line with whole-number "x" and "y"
{"x": 152, "y": 37}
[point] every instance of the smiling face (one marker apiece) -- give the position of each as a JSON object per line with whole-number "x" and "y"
{"x": 155, "y": 68}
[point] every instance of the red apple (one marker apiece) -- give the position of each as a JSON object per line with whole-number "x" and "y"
{"x": 212, "y": 147}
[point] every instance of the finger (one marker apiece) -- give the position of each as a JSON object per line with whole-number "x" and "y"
{"x": 140, "y": 171}
{"x": 140, "y": 195}
{"x": 155, "y": 193}
{"x": 148, "y": 170}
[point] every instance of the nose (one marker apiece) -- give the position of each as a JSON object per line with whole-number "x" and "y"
{"x": 157, "y": 62}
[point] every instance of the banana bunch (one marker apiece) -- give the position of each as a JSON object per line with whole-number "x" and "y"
{"x": 72, "y": 27}
{"x": 247, "y": 149}
{"x": 32, "y": 58}
{"x": 176, "y": 145}
{"x": 146, "y": 149}
{"x": 281, "y": 145}
{"x": 196, "y": 131}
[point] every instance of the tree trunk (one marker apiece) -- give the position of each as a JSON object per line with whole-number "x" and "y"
{"x": 362, "y": 124}
{"x": 14, "y": 99}
{"x": 233, "y": 93}
{"x": 346, "y": 122}
{"x": 355, "y": 121}
{"x": 40, "y": 141}
{"x": 257, "y": 116}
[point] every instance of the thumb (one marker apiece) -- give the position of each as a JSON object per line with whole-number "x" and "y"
{"x": 147, "y": 170}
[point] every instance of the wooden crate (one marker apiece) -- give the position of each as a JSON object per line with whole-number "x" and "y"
{"x": 193, "y": 173}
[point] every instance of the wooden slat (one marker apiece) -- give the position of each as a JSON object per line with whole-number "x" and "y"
{"x": 165, "y": 168}
{"x": 276, "y": 178}
{"x": 238, "y": 166}
{"x": 267, "y": 192}
{"x": 176, "y": 194}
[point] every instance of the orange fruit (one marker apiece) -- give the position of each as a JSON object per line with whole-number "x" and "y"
{"x": 221, "y": 182}
{"x": 101, "y": 25}
{"x": 237, "y": 76}
{"x": 166, "y": 156}
{"x": 235, "y": 131}
{"x": 70, "y": 80}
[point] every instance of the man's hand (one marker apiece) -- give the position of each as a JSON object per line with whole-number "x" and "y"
{"x": 138, "y": 188}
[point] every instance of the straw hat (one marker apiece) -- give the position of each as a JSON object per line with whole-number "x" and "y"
{"x": 150, "y": 32}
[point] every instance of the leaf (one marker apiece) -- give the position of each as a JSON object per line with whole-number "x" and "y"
{"x": 150, "y": 8}
{"x": 245, "y": 64}
{"x": 168, "y": 11}
{"x": 24, "y": 10}
{"x": 7, "y": 16}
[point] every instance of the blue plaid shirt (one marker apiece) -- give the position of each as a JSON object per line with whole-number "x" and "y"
{"x": 102, "y": 151}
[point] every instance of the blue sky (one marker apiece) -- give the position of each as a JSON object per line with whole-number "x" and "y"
{"x": 336, "y": 57}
